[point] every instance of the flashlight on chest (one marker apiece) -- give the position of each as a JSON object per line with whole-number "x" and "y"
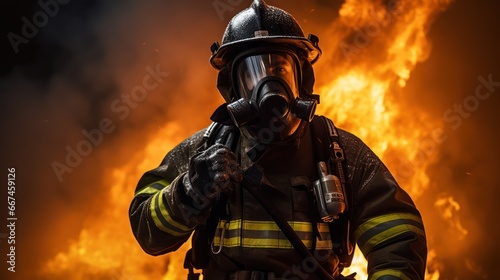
{"x": 329, "y": 195}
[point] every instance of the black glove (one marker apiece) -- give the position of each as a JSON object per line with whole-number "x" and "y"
{"x": 211, "y": 172}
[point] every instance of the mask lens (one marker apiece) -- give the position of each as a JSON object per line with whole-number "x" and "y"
{"x": 254, "y": 68}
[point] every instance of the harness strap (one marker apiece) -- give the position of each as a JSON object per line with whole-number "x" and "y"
{"x": 328, "y": 148}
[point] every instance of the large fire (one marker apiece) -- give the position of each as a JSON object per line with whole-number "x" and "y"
{"x": 376, "y": 48}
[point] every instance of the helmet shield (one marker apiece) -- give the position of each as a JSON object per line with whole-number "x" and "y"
{"x": 252, "y": 69}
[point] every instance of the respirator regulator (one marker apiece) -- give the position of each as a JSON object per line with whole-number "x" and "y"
{"x": 267, "y": 86}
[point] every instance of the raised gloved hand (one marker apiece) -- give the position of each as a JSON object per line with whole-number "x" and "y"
{"x": 211, "y": 172}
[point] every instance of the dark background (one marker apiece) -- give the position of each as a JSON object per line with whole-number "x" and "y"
{"x": 64, "y": 79}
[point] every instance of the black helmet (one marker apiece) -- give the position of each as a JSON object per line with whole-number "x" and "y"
{"x": 265, "y": 74}
{"x": 261, "y": 23}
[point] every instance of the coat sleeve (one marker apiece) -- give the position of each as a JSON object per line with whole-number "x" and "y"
{"x": 161, "y": 215}
{"x": 387, "y": 226}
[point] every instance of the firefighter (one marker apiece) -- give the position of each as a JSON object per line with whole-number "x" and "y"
{"x": 260, "y": 163}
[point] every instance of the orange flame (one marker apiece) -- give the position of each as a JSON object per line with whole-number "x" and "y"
{"x": 380, "y": 46}
{"x": 107, "y": 248}
{"x": 376, "y": 48}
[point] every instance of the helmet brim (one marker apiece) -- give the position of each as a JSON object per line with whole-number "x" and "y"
{"x": 227, "y": 52}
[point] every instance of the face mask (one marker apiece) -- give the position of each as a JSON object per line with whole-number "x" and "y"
{"x": 269, "y": 107}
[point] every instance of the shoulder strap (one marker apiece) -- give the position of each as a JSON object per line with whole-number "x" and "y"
{"x": 328, "y": 148}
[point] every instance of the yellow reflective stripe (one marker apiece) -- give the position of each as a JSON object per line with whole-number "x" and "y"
{"x": 388, "y": 234}
{"x": 148, "y": 189}
{"x": 234, "y": 224}
{"x": 391, "y": 272}
{"x": 270, "y": 225}
{"x": 156, "y": 220}
{"x": 268, "y": 243}
{"x": 228, "y": 242}
{"x": 383, "y": 219}
{"x": 385, "y": 227}
{"x": 157, "y": 204}
{"x": 240, "y": 226}
{"x": 167, "y": 216}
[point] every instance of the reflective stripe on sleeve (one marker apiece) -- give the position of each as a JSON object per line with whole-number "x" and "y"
{"x": 388, "y": 274}
{"x": 153, "y": 188}
{"x": 382, "y": 228}
{"x": 162, "y": 218}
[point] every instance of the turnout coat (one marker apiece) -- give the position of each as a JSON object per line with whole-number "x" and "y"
{"x": 384, "y": 221}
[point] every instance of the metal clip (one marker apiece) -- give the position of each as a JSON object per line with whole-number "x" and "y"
{"x": 338, "y": 152}
{"x": 221, "y": 242}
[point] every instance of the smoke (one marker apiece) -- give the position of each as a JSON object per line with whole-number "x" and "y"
{"x": 75, "y": 106}
{"x": 83, "y": 95}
